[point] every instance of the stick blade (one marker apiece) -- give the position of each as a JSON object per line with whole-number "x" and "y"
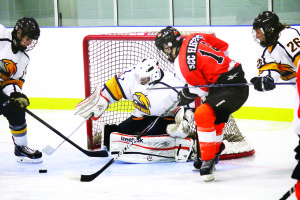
{"x": 101, "y": 153}
{"x": 72, "y": 175}
{"x": 48, "y": 150}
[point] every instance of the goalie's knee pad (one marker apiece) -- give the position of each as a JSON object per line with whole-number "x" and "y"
{"x": 159, "y": 148}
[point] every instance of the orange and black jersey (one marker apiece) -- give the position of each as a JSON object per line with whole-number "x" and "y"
{"x": 202, "y": 59}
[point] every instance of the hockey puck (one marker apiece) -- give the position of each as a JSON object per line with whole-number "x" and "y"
{"x": 42, "y": 171}
{"x": 197, "y": 164}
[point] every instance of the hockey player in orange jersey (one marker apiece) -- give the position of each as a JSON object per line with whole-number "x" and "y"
{"x": 202, "y": 59}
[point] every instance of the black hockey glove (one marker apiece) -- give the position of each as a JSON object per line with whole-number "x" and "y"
{"x": 18, "y": 101}
{"x": 263, "y": 83}
{"x": 185, "y": 97}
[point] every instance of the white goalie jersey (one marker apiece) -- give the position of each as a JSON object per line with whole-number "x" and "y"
{"x": 146, "y": 99}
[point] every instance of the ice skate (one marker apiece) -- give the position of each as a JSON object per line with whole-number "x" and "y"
{"x": 198, "y": 162}
{"x": 207, "y": 170}
{"x": 26, "y": 155}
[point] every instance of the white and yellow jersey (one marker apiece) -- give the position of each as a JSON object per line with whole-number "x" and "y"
{"x": 145, "y": 100}
{"x": 282, "y": 59}
{"x": 12, "y": 66}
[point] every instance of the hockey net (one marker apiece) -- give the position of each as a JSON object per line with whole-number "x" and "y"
{"x": 109, "y": 54}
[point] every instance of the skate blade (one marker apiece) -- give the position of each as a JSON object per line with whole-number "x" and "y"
{"x": 21, "y": 159}
{"x": 208, "y": 178}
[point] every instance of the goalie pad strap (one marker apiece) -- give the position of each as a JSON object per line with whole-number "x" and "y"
{"x": 156, "y": 148}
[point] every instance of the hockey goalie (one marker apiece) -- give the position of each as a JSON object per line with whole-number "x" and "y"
{"x": 170, "y": 138}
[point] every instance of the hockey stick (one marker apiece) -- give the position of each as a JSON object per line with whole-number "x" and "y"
{"x": 217, "y": 85}
{"x": 101, "y": 153}
{"x": 49, "y": 150}
{"x": 91, "y": 177}
{"x": 288, "y": 193}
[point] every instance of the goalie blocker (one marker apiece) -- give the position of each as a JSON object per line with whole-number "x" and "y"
{"x": 153, "y": 148}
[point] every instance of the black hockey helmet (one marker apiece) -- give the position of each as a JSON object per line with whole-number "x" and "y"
{"x": 25, "y": 27}
{"x": 167, "y": 38}
{"x": 268, "y": 23}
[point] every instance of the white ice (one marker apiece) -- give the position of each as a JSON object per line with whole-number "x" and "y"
{"x": 264, "y": 176}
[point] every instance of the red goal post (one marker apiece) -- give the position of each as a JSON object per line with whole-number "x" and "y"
{"x": 109, "y": 54}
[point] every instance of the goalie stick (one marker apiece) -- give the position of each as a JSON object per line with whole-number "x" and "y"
{"x": 49, "y": 150}
{"x": 101, "y": 153}
{"x": 288, "y": 193}
{"x": 218, "y": 85}
{"x": 91, "y": 177}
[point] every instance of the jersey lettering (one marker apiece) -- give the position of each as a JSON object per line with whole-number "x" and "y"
{"x": 191, "y": 61}
{"x": 191, "y": 58}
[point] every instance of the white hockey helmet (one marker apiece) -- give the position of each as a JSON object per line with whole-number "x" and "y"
{"x": 147, "y": 71}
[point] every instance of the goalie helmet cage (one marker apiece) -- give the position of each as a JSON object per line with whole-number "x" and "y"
{"x": 107, "y": 55}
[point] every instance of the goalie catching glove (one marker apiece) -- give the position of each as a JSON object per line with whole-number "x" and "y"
{"x": 18, "y": 101}
{"x": 95, "y": 104}
{"x": 182, "y": 126}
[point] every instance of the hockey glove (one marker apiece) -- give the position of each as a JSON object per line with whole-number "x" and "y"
{"x": 95, "y": 104}
{"x": 185, "y": 97}
{"x": 18, "y": 101}
{"x": 263, "y": 83}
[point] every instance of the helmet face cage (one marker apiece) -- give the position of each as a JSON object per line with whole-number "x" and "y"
{"x": 26, "y": 27}
{"x": 167, "y": 38}
{"x": 268, "y": 23}
{"x": 147, "y": 72}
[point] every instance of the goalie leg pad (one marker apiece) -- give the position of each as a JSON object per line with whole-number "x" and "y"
{"x": 156, "y": 148}
{"x": 96, "y": 103}
{"x": 184, "y": 147}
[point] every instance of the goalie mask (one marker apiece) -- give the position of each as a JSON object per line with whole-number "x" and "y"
{"x": 268, "y": 23}
{"x": 147, "y": 72}
{"x": 167, "y": 39}
{"x": 25, "y": 34}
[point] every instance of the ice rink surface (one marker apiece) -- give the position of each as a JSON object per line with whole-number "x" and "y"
{"x": 264, "y": 176}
